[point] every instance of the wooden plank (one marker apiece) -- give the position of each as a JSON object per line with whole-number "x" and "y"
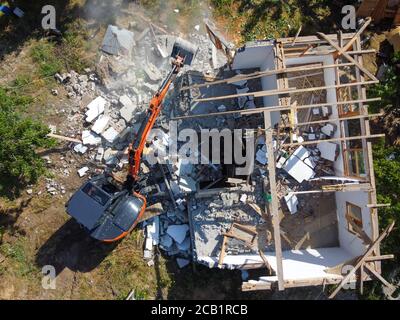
{"x": 56, "y": 136}
{"x": 267, "y": 93}
{"x": 378, "y": 276}
{"x": 306, "y": 143}
{"x": 375, "y": 115}
{"x": 382, "y": 205}
{"x": 273, "y": 109}
{"x": 327, "y": 52}
{"x": 264, "y": 258}
{"x": 274, "y": 202}
{"x": 312, "y": 39}
{"x": 371, "y": 249}
{"x": 260, "y": 74}
{"x": 297, "y": 36}
{"x": 379, "y": 258}
{"x": 362, "y": 275}
{"x": 342, "y": 188}
{"x": 295, "y": 283}
{"x": 348, "y": 57}
{"x": 354, "y": 39}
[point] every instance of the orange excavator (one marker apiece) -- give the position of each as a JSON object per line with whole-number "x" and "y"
{"x": 109, "y": 213}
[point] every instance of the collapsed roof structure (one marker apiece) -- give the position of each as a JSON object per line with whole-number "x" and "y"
{"x": 309, "y": 214}
{"x": 305, "y": 212}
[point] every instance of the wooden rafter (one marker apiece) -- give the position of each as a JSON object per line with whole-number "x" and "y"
{"x": 362, "y": 260}
{"x": 273, "y": 109}
{"x": 347, "y": 56}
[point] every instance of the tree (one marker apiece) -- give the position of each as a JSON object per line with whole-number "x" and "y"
{"x": 20, "y": 137}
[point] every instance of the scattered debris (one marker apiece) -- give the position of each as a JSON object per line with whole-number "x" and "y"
{"x": 118, "y": 41}
{"x": 82, "y": 172}
{"x": 178, "y": 232}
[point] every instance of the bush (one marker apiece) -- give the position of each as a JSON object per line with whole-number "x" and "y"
{"x": 44, "y": 54}
{"x": 20, "y": 137}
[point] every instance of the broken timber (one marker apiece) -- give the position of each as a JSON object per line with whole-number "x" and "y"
{"x": 266, "y": 93}
{"x": 274, "y": 202}
{"x": 273, "y": 109}
{"x": 362, "y": 260}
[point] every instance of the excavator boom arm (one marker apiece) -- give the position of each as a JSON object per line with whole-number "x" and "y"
{"x": 136, "y": 149}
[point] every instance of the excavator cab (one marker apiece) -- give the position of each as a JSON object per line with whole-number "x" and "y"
{"x": 107, "y": 212}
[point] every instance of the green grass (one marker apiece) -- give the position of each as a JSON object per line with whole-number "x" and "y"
{"x": 20, "y": 262}
{"x": 263, "y": 19}
{"x": 44, "y": 55}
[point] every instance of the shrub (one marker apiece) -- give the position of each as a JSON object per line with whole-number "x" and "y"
{"x": 20, "y": 137}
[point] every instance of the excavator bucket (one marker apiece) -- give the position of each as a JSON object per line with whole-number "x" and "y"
{"x": 184, "y": 49}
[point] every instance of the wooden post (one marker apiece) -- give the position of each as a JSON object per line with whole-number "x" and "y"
{"x": 274, "y": 202}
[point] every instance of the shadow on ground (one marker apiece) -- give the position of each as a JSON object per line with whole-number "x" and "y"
{"x": 71, "y": 247}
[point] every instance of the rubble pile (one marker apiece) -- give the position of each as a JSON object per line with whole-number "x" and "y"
{"x": 107, "y": 106}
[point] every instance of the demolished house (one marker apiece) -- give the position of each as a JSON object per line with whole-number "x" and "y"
{"x": 308, "y": 212}
{"x": 305, "y": 211}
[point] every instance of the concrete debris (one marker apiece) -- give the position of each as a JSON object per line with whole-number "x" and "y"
{"x": 292, "y": 203}
{"x": 148, "y": 254}
{"x": 100, "y": 154}
{"x": 296, "y": 165}
{"x": 29, "y": 191}
{"x": 152, "y": 72}
{"x": 90, "y": 139}
{"x": 80, "y": 148}
{"x": 328, "y": 130}
{"x": 101, "y": 124}
{"x": 185, "y": 245}
{"x": 118, "y": 41}
{"x": 128, "y": 112}
{"x": 110, "y": 135}
{"x": 328, "y": 150}
{"x": 222, "y": 108}
{"x": 125, "y": 101}
{"x": 261, "y": 155}
{"x": 153, "y": 230}
{"x": 110, "y": 156}
{"x": 178, "y": 232}
{"x": 187, "y": 185}
{"x": 166, "y": 241}
{"x": 95, "y": 108}
{"x": 83, "y": 171}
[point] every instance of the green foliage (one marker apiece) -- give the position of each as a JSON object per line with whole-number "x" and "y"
{"x": 262, "y": 19}
{"x": 68, "y": 54}
{"x": 389, "y": 88}
{"x": 21, "y": 263}
{"x": 19, "y": 138}
{"x": 44, "y": 54}
{"x": 73, "y": 49}
{"x": 387, "y": 173}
